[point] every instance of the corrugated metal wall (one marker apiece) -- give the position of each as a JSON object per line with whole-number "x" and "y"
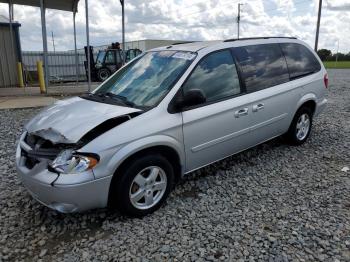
{"x": 61, "y": 64}
{"x": 8, "y": 58}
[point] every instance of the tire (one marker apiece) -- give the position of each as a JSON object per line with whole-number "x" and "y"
{"x": 136, "y": 180}
{"x": 103, "y": 74}
{"x": 300, "y": 128}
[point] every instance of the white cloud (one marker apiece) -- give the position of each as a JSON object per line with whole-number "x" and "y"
{"x": 189, "y": 20}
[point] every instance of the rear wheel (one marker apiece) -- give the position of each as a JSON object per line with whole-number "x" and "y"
{"x": 300, "y": 128}
{"x": 143, "y": 186}
{"x": 103, "y": 74}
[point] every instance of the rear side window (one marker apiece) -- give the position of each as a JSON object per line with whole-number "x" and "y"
{"x": 216, "y": 76}
{"x": 262, "y": 66}
{"x": 300, "y": 60}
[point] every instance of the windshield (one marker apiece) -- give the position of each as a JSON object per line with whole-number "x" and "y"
{"x": 100, "y": 57}
{"x": 145, "y": 81}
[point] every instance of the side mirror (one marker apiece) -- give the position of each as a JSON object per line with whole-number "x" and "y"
{"x": 192, "y": 97}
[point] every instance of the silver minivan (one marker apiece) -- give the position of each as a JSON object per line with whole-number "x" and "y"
{"x": 166, "y": 113}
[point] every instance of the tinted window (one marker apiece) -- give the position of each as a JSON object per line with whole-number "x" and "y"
{"x": 300, "y": 60}
{"x": 216, "y": 76}
{"x": 119, "y": 55}
{"x": 100, "y": 57}
{"x": 110, "y": 58}
{"x": 262, "y": 66}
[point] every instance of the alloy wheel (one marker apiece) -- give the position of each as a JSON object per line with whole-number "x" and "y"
{"x": 148, "y": 187}
{"x": 303, "y": 127}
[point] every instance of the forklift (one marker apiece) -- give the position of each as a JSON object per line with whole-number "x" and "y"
{"x": 108, "y": 61}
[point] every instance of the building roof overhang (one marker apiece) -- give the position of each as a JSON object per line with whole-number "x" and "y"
{"x": 64, "y": 5}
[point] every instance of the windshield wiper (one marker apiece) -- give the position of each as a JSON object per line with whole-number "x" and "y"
{"x": 113, "y": 98}
{"x": 120, "y": 98}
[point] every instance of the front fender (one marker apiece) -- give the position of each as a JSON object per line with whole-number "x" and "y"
{"x": 157, "y": 140}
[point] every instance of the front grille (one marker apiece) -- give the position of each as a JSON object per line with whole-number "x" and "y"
{"x": 36, "y": 142}
{"x": 29, "y": 162}
{"x": 40, "y": 149}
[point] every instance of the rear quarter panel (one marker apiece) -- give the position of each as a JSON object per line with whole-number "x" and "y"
{"x": 310, "y": 87}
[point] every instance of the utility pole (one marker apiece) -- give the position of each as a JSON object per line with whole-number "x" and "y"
{"x": 238, "y": 18}
{"x": 336, "y": 57}
{"x": 11, "y": 29}
{"x": 88, "y": 43}
{"x": 318, "y": 24}
{"x": 123, "y": 29}
{"x": 53, "y": 42}
{"x": 44, "y": 36}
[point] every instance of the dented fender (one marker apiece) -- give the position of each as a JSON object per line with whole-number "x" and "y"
{"x": 123, "y": 152}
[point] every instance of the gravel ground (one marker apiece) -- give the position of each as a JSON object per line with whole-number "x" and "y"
{"x": 273, "y": 202}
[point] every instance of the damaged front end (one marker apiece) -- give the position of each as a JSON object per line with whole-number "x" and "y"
{"x": 54, "y": 170}
{"x": 60, "y": 152}
{"x": 36, "y": 149}
{"x": 49, "y": 158}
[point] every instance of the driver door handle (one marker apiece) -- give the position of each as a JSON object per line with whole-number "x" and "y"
{"x": 241, "y": 112}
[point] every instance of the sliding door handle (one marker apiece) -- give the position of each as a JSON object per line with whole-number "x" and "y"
{"x": 258, "y": 107}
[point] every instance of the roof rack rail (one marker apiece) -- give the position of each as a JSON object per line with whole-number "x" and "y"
{"x": 255, "y": 38}
{"x": 180, "y": 43}
{"x": 187, "y": 42}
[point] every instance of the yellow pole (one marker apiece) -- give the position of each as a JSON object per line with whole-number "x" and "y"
{"x": 20, "y": 74}
{"x": 39, "y": 65}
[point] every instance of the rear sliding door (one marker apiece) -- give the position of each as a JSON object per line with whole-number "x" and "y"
{"x": 266, "y": 78}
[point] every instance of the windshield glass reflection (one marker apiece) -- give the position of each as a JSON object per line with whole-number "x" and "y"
{"x": 144, "y": 82}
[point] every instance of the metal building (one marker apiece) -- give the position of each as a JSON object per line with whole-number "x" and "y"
{"x": 10, "y": 53}
{"x": 145, "y": 44}
{"x": 66, "y": 5}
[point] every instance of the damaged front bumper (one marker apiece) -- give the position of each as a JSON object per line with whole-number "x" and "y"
{"x": 64, "y": 193}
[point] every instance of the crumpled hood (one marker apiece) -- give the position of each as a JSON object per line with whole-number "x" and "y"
{"x": 68, "y": 120}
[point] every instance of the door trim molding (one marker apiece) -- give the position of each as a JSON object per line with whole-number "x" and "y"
{"x": 236, "y": 134}
{"x": 219, "y": 140}
{"x": 268, "y": 122}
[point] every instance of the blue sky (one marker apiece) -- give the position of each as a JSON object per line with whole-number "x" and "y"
{"x": 189, "y": 20}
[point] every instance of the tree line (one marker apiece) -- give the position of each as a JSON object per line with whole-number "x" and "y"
{"x": 326, "y": 55}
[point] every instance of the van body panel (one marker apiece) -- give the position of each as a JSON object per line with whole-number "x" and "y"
{"x": 275, "y": 113}
{"x": 213, "y": 132}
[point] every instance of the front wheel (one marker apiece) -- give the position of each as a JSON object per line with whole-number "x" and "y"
{"x": 143, "y": 186}
{"x": 300, "y": 128}
{"x": 103, "y": 74}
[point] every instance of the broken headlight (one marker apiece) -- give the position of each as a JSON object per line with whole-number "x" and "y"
{"x": 71, "y": 162}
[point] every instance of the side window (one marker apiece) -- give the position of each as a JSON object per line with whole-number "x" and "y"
{"x": 119, "y": 55}
{"x": 110, "y": 58}
{"x": 262, "y": 66}
{"x": 216, "y": 76}
{"x": 300, "y": 60}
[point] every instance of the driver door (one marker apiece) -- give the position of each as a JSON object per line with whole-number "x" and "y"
{"x": 219, "y": 127}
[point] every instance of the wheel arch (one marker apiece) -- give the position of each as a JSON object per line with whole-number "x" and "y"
{"x": 129, "y": 153}
{"x": 308, "y": 100}
{"x": 164, "y": 145}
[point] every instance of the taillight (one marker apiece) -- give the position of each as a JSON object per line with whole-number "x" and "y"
{"x": 325, "y": 79}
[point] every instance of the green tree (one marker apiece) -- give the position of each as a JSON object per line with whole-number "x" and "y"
{"x": 324, "y": 54}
